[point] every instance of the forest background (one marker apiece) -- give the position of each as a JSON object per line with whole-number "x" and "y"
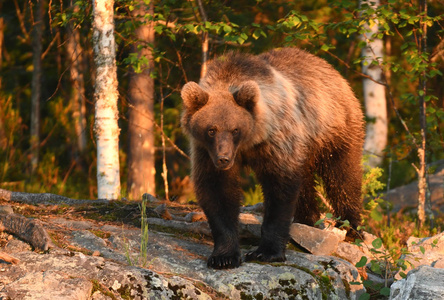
{"x": 47, "y": 136}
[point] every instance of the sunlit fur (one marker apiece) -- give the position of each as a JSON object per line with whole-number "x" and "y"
{"x": 302, "y": 119}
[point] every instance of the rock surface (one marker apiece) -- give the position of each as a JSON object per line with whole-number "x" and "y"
{"x": 315, "y": 240}
{"x": 407, "y": 195}
{"x": 424, "y": 252}
{"x": 423, "y": 283}
{"x": 101, "y": 260}
{"x": 93, "y": 264}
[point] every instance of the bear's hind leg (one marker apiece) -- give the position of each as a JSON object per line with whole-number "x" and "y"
{"x": 307, "y": 210}
{"x": 342, "y": 176}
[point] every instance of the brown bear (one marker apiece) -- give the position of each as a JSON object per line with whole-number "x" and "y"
{"x": 288, "y": 115}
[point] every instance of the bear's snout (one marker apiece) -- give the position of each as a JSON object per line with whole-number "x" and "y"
{"x": 224, "y": 150}
{"x": 223, "y": 162}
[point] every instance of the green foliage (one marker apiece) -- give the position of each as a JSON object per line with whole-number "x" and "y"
{"x": 253, "y": 196}
{"x": 371, "y": 182}
{"x": 329, "y": 28}
{"x": 141, "y": 259}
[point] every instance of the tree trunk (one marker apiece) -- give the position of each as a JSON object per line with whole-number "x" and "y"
{"x": 75, "y": 55}
{"x": 205, "y": 41}
{"x": 2, "y": 30}
{"x": 422, "y": 183}
{"x": 141, "y": 169}
{"x": 105, "y": 98}
{"x": 374, "y": 93}
{"x": 3, "y": 139}
{"x": 36, "y": 83}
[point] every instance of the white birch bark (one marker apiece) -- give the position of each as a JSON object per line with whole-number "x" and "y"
{"x": 374, "y": 93}
{"x": 105, "y": 97}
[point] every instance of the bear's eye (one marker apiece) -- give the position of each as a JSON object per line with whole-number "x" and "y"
{"x": 211, "y": 132}
{"x": 235, "y": 132}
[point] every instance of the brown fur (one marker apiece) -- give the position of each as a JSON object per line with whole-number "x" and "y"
{"x": 287, "y": 114}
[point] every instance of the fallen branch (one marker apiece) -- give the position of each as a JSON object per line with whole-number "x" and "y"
{"x": 45, "y": 198}
{"x": 29, "y": 230}
{"x": 8, "y": 258}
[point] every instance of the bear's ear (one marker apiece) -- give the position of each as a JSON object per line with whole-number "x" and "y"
{"x": 193, "y": 96}
{"x": 247, "y": 95}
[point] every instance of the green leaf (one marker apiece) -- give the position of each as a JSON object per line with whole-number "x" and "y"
{"x": 325, "y": 47}
{"x": 385, "y": 291}
{"x": 362, "y": 262}
{"x": 345, "y": 224}
{"x": 377, "y": 243}
{"x": 430, "y": 110}
{"x": 256, "y": 34}
{"x": 421, "y": 248}
{"x": 319, "y": 222}
{"x": 189, "y": 27}
{"x": 158, "y": 29}
{"x": 375, "y": 267}
{"x": 227, "y": 28}
{"x": 376, "y": 215}
{"x": 365, "y": 296}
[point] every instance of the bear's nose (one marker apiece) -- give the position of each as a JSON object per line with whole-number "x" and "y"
{"x": 223, "y": 162}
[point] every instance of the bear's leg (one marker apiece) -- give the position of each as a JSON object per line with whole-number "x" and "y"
{"x": 219, "y": 195}
{"x": 280, "y": 199}
{"x": 342, "y": 176}
{"x": 307, "y": 210}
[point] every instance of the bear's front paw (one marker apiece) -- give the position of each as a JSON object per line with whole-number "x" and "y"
{"x": 265, "y": 256}
{"x": 224, "y": 261}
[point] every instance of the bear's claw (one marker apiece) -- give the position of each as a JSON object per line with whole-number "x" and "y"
{"x": 260, "y": 256}
{"x": 224, "y": 261}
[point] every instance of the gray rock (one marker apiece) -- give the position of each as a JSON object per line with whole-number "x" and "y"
{"x": 433, "y": 255}
{"x": 351, "y": 253}
{"x": 317, "y": 241}
{"x": 72, "y": 224}
{"x": 302, "y": 276}
{"x": 6, "y": 209}
{"x": 149, "y": 198}
{"x": 434, "y": 243}
{"x": 423, "y": 283}
{"x": 407, "y": 195}
{"x": 97, "y": 295}
{"x": 76, "y": 273}
{"x": 15, "y": 246}
{"x": 49, "y": 285}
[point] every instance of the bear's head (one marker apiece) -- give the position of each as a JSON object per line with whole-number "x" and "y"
{"x": 220, "y": 120}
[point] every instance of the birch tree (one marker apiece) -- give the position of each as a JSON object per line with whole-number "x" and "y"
{"x": 141, "y": 169}
{"x": 374, "y": 93}
{"x": 105, "y": 97}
